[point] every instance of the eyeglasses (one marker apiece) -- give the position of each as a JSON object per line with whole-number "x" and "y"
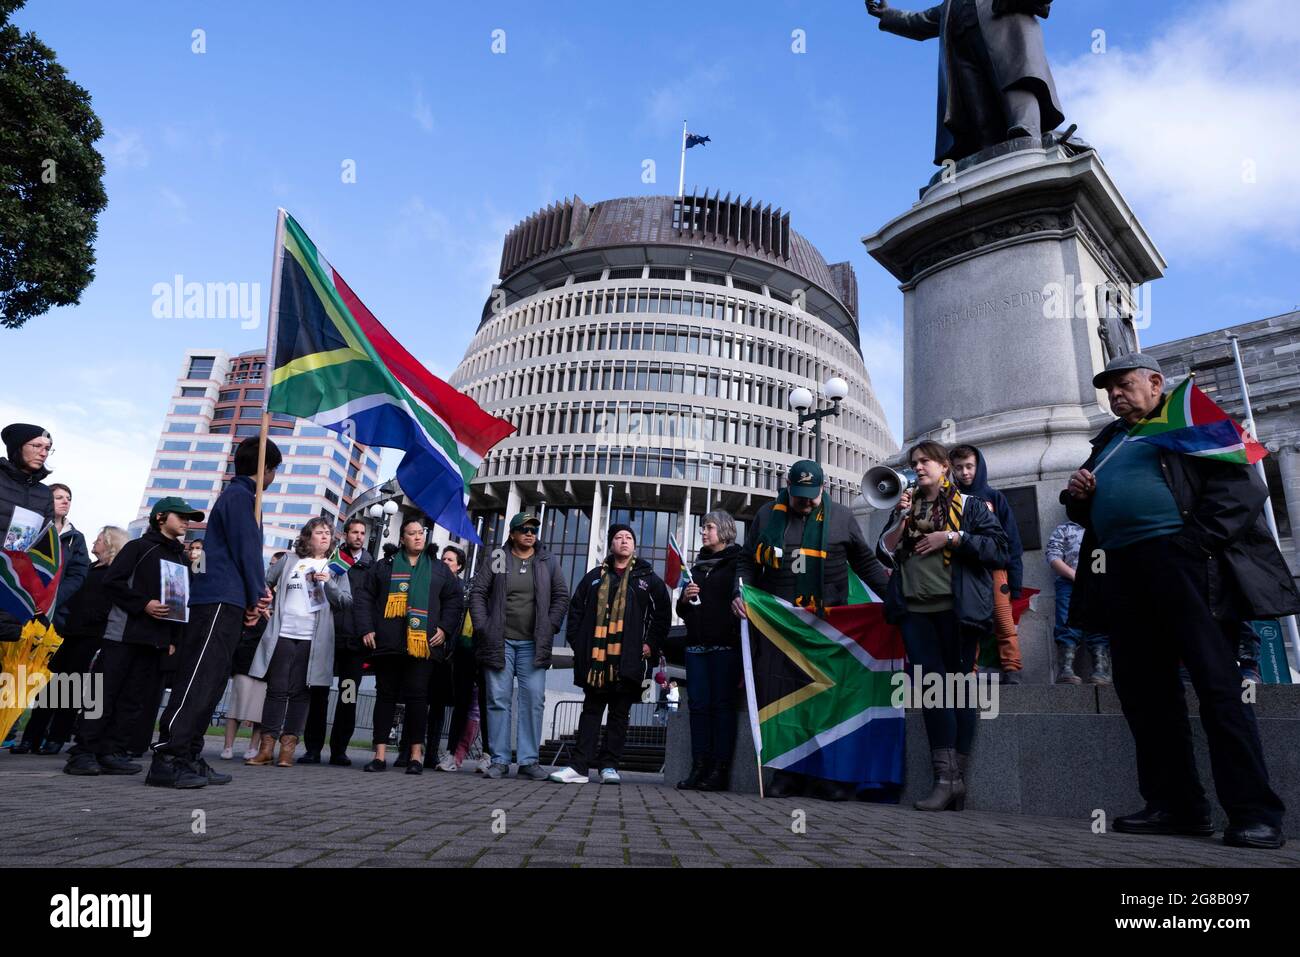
{"x": 526, "y": 531}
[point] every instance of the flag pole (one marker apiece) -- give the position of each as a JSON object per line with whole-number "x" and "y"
{"x": 1289, "y": 621}
{"x": 272, "y": 322}
{"x": 681, "y": 176}
{"x": 747, "y": 659}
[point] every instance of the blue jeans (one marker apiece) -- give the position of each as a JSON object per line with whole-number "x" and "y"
{"x": 711, "y": 681}
{"x": 532, "y": 702}
{"x": 1063, "y": 632}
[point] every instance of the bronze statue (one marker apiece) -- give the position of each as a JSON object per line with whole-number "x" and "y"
{"x": 994, "y": 81}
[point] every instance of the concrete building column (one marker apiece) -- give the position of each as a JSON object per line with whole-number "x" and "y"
{"x": 514, "y": 504}
{"x": 595, "y": 541}
{"x": 1288, "y": 462}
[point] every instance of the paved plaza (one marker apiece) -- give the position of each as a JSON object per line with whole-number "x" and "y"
{"x": 321, "y": 816}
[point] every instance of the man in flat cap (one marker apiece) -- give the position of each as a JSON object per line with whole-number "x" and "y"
{"x": 23, "y": 496}
{"x": 1175, "y": 555}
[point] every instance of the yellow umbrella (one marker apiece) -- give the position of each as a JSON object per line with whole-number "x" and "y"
{"x": 24, "y": 667}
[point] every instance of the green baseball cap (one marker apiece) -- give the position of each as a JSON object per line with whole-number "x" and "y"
{"x": 173, "y": 503}
{"x": 805, "y": 479}
{"x": 525, "y": 518}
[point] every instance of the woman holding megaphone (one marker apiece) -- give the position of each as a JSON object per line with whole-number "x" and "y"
{"x": 943, "y": 545}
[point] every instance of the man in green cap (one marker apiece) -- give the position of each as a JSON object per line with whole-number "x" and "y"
{"x": 142, "y": 630}
{"x": 803, "y": 549}
{"x": 516, "y": 604}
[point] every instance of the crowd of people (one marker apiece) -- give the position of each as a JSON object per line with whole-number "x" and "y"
{"x": 1163, "y": 561}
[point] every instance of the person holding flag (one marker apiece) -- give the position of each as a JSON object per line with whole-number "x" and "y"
{"x": 944, "y": 545}
{"x": 24, "y": 498}
{"x": 1176, "y": 554}
{"x": 712, "y": 653}
{"x": 806, "y": 545}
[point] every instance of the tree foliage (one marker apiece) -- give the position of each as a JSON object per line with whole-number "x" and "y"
{"x": 51, "y": 188}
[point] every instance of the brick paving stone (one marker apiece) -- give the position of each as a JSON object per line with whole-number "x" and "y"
{"x": 312, "y": 816}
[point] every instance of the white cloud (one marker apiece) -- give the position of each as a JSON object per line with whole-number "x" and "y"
{"x": 176, "y": 203}
{"x": 882, "y": 353}
{"x": 696, "y": 96}
{"x": 1198, "y": 126}
{"x": 124, "y": 149}
{"x": 421, "y": 112}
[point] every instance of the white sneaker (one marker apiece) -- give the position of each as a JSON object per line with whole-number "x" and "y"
{"x": 609, "y": 776}
{"x": 250, "y": 753}
{"x": 447, "y": 762}
{"x": 568, "y": 776}
{"x": 227, "y": 754}
{"x": 484, "y": 763}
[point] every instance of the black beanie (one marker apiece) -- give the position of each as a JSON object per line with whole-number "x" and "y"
{"x": 615, "y": 529}
{"x": 16, "y": 436}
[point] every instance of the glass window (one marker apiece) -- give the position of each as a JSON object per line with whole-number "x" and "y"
{"x": 336, "y": 478}
{"x": 300, "y": 488}
{"x": 340, "y": 458}
{"x": 201, "y": 367}
{"x": 223, "y": 414}
{"x": 205, "y": 484}
{"x": 205, "y": 465}
{"x": 173, "y": 446}
{"x": 166, "y": 483}
{"x": 182, "y": 427}
{"x": 250, "y": 412}
{"x": 304, "y": 470}
{"x": 185, "y": 410}
{"x": 295, "y": 508}
{"x": 193, "y": 392}
{"x": 310, "y": 450}
{"x": 211, "y": 446}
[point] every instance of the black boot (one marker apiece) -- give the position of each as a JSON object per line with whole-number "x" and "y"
{"x": 718, "y": 778}
{"x": 787, "y": 784}
{"x": 699, "y": 771}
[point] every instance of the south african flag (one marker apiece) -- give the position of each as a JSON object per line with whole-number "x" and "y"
{"x": 821, "y": 691}
{"x": 337, "y": 366}
{"x": 1190, "y": 422}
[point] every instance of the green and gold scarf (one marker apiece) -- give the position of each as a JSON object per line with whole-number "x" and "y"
{"x": 809, "y": 574}
{"x": 941, "y": 515}
{"x": 410, "y": 583}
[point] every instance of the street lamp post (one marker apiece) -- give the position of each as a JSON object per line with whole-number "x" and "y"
{"x": 801, "y": 400}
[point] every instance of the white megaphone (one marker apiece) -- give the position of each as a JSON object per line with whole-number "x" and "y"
{"x": 882, "y": 486}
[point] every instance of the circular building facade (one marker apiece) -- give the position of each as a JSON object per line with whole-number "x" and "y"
{"x": 645, "y": 349}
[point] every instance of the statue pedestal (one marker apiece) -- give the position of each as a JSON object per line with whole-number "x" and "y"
{"x": 1017, "y": 279}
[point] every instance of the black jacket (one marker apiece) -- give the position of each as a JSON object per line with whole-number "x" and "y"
{"x": 445, "y": 603}
{"x": 983, "y": 547}
{"x": 1006, "y": 518}
{"x": 76, "y": 564}
{"x": 135, "y": 579}
{"x": 1222, "y": 506}
{"x": 346, "y": 634}
{"x": 712, "y": 622}
{"x": 21, "y": 489}
{"x": 87, "y": 610}
{"x": 487, "y": 609}
{"x": 846, "y": 547}
{"x": 645, "y": 620}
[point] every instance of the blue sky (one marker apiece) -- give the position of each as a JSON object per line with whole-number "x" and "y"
{"x": 453, "y": 144}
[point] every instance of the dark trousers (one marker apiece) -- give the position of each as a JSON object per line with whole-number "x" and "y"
{"x": 73, "y": 657}
{"x": 407, "y": 678}
{"x": 347, "y": 665}
{"x": 464, "y": 678}
{"x": 438, "y": 699}
{"x": 939, "y": 644}
{"x": 129, "y": 673}
{"x": 201, "y": 675}
{"x": 619, "y": 701}
{"x": 711, "y": 681}
{"x": 1156, "y": 594}
{"x": 287, "y": 695}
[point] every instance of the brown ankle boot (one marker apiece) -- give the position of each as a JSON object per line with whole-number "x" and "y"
{"x": 288, "y": 744}
{"x": 949, "y": 790}
{"x": 265, "y": 752}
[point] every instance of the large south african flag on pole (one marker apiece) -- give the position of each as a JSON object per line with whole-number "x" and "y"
{"x": 29, "y": 580}
{"x": 821, "y": 690}
{"x": 1190, "y": 422}
{"x": 337, "y": 366}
